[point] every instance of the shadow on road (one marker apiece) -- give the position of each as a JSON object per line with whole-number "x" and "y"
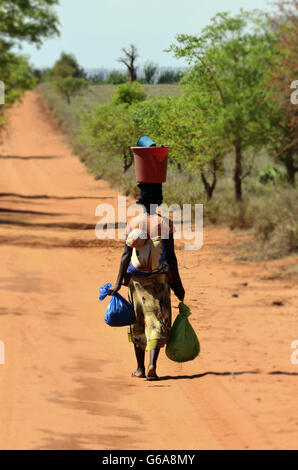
{"x": 19, "y": 211}
{"x": 45, "y": 196}
{"x": 37, "y": 157}
{"x": 222, "y": 374}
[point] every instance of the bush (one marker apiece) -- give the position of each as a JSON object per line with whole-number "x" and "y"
{"x": 110, "y": 128}
{"x": 128, "y": 93}
{"x": 269, "y": 173}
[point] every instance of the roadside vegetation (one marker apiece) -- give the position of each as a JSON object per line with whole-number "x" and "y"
{"x": 31, "y": 21}
{"x": 230, "y": 117}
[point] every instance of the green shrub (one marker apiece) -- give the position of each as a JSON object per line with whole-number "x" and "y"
{"x": 128, "y": 93}
{"x": 269, "y": 173}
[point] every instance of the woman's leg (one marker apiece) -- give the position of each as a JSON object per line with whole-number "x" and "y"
{"x": 140, "y": 356}
{"x": 153, "y": 357}
{"x": 152, "y": 364}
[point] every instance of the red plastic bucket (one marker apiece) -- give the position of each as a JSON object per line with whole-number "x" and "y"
{"x": 151, "y": 164}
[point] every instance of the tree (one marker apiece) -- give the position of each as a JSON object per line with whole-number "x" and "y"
{"x": 128, "y": 60}
{"x": 67, "y": 66}
{"x": 16, "y": 73}
{"x": 150, "y": 69}
{"x": 18, "y": 76}
{"x": 111, "y": 130}
{"x": 228, "y": 62}
{"x": 206, "y": 148}
{"x": 284, "y": 115}
{"x": 128, "y": 93}
{"x": 22, "y": 20}
{"x": 69, "y": 86}
{"x": 27, "y": 20}
{"x": 188, "y": 130}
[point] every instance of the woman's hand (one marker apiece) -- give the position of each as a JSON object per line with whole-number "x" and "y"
{"x": 125, "y": 260}
{"x": 114, "y": 289}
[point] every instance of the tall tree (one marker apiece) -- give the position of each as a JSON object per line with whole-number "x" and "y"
{"x": 281, "y": 83}
{"x": 27, "y": 20}
{"x": 190, "y": 132}
{"x": 67, "y": 66}
{"x": 22, "y": 20}
{"x": 227, "y": 63}
{"x": 129, "y": 60}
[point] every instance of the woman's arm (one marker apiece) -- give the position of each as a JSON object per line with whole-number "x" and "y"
{"x": 124, "y": 263}
{"x": 172, "y": 260}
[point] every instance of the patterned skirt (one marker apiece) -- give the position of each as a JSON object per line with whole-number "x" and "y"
{"x": 151, "y": 299}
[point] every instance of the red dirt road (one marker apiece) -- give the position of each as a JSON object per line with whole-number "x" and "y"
{"x": 66, "y": 379}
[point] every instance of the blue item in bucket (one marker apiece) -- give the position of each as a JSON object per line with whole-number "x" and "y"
{"x": 145, "y": 141}
{"x": 119, "y": 312}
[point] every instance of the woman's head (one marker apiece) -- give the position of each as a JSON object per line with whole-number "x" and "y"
{"x": 150, "y": 194}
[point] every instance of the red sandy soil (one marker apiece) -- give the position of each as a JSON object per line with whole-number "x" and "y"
{"x": 66, "y": 379}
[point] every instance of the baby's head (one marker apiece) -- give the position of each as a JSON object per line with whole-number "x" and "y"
{"x": 136, "y": 238}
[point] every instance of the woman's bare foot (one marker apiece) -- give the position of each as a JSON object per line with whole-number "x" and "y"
{"x": 139, "y": 373}
{"x": 151, "y": 374}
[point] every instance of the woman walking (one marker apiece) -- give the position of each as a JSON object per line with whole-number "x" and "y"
{"x": 150, "y": 262}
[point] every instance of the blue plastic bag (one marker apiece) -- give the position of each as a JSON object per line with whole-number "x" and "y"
{"x": 119, "y": 312}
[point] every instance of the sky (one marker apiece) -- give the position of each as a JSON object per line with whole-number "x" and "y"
{"x": 96, "y": 30}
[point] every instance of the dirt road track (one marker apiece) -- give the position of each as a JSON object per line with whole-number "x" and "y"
{"x": 66, "y": 381}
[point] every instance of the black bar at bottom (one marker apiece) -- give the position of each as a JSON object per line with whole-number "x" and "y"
{"x": 137, "y": 459}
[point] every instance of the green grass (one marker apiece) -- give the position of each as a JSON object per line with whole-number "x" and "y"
{"x": 268, "y": 211}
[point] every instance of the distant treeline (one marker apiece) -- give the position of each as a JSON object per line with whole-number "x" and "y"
{"x": 100, "y": 76}
{"x": 161, "y": 75}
